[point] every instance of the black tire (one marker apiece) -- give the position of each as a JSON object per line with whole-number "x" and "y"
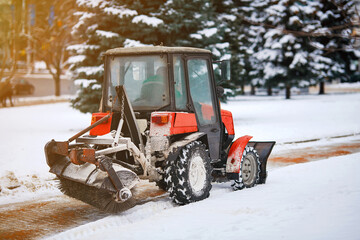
{"x": 249, "y": 170}
{"x": 161, "y": 184}
{"x": 188, "y": 177}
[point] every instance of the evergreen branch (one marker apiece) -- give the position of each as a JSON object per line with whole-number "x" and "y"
{"x": 343, "y": 13}
{"x": 301, "y": 33}
{"x": 328, "y": 50}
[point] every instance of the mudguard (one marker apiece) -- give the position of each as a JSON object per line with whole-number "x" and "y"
{"x": 236, "y": 151}
{"x": 175, "y": 148}
{"x": 235, "y": 154}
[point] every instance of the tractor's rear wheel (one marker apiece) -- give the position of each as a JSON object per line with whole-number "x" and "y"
{"x": 188, "y": 177}
{"x": 249, "y": 170}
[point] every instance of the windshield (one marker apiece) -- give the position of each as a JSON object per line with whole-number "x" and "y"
{"x": 145, "y": 79}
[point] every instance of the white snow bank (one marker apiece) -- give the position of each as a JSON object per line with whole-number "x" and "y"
{"x": 355, "y": 85}
{"x": 300, "y": 118}
{"x": 25, "y": 131}
{"x": 317, "y": 200}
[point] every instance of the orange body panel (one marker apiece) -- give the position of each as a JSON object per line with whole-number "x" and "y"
{"x": 184, "y": 123}
{"x": 179, "y": 122}
{"x": 103, "y": 128}
{"x": 227, "y": 119}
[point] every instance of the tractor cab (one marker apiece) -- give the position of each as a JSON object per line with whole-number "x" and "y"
{"x": 164, "y": 81}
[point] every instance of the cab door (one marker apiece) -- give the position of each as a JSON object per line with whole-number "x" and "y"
{"x": 204, "y": 101}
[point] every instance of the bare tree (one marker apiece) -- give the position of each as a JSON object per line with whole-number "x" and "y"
{"x": 52, "y": 36}
{"x": 9, "y": 34}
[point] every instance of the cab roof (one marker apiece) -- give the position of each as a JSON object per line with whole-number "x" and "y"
{"x": 154, "y": 50}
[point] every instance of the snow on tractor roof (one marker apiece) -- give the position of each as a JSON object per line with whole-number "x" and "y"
{"x": 154, "y": 49}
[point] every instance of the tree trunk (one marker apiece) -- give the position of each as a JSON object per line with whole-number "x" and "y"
{"x": 57, "y": 85}
{"x": 252, "y": 92}
{"x": 322, "y": 87}
{"x": 287, "y": 92}
{"x": 242, "y": 89}
{"x": 269, "y": 91}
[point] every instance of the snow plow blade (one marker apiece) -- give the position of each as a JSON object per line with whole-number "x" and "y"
{"x": 87, "y": 182}
{"x": 264, "y": 149}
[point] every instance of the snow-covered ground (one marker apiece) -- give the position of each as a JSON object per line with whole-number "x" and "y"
{"x": 300, "y": 118}
{"x": 315, "y": 200}
{"x": 318, "y": 200}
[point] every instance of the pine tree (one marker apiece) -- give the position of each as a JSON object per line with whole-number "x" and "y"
{"x": 193, "y": 23}
{"x": 292, "y": 38}
{"x": 336, "y": 44}
{"x": 104, "y": 25}
{"x": 246, "y": 38}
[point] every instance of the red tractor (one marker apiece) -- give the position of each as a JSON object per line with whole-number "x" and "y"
{"x": 160, "y": 119}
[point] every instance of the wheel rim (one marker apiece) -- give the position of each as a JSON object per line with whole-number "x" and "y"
{"x": 248, "y": 169}
{"x": 197, "y": 174}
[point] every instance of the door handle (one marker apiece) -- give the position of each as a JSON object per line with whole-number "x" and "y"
{"x": 214, "y": 130}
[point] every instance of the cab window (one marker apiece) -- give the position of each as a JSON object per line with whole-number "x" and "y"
{"x": 200, "y": 90}
{"x": 179, "y": 84}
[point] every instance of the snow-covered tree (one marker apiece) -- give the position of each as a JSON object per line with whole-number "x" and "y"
{"x": 194, "y": 23}
{"x": 333, "y": 40}
{"x": 284, "y": 57}
{"x": 289, "y": 48}
{"x": 245, "y": 39}
{"x": 105, "y": 24}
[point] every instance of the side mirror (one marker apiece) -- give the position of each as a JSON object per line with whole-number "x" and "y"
{"x": 225, "y": 70}
{"x": 220, "y": 91}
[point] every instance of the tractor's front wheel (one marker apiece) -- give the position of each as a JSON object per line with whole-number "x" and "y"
{"x": 249, "y": 170}
{"x": 188, "y": 177}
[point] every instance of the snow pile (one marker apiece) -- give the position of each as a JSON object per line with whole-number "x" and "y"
{"x": 355, "y": 85}
{"x": 25, "y": 131}
{"x": 317, "y": 200}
